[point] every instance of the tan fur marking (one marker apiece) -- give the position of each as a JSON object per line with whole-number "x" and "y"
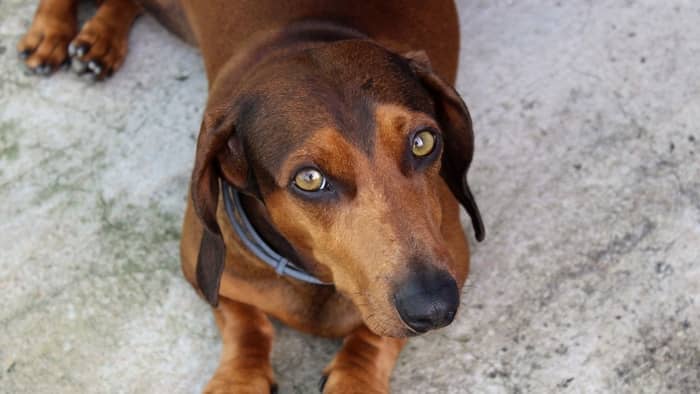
{"x": 247, "y": 336}
{"x": 363, "y": 364}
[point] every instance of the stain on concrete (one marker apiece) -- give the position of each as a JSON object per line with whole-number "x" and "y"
{"x": 625, "y": 244}
{"x": 9, "y": 147}
{"x": 660, "y": 358}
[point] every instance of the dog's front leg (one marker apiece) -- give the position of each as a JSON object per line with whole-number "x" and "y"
{"x": 45, "y": 46}
{"x": 101, "y": 45}
{"x": 247, "y": 336}
{"x": 363, "y": 364}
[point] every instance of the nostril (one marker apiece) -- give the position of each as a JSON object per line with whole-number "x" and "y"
{"x": 443, "y": 311}
{"x": 447, "y": 318}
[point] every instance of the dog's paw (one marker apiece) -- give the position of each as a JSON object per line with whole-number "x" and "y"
{"x": 239, "y": 388}
{"x": 45, "y": 46}
{"x": 340, "y": 382}
{"x": 99, "y": 49}
{"x": 241, "y": 383}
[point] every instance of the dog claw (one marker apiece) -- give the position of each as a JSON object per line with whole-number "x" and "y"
{"x": 23, "y": 55}
{"x": 95, "y": 67}
{"x": 43, "y": 69}
{"x": 78, "y": 66}
{"x": 322, "y": 383}
{"x": 71, "y": 49}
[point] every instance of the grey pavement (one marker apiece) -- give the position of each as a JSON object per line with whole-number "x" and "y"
{"x": 587, "y": 170}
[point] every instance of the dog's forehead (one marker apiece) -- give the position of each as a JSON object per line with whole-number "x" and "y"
{"x": 337, "y": 86}
{"x": 381, "y": 74}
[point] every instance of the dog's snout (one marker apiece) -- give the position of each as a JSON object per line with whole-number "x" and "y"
{"x": 427, "y": 300}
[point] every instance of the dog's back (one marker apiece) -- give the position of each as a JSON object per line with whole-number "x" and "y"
{"x": 221, "y": 28}
{"x": 171, "y": 15}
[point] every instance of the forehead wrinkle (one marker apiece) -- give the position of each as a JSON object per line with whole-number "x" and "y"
{"x": 355, "y": 119}
{"x": 393, "y": 128}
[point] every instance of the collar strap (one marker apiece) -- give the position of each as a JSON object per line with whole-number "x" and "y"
{"x": 255, "y": 244}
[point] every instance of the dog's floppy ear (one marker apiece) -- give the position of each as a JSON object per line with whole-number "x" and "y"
{"x": 219, "y": 153}
{"x": 453, "y": 116}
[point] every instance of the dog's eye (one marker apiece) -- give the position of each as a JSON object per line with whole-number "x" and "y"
{"x": 423, "y": 143}
{"x": 310, "y": 180}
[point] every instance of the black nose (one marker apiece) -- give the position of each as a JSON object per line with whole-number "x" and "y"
{"x": 428, "y": 299}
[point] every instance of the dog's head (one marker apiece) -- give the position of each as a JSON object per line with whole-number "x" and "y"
{"x": 350, "y": 148}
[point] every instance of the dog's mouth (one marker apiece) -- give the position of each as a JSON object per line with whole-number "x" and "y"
{"x": 396, "y": 326}
{"x": 411, "y": 332}
{"x": 425, "y": 302}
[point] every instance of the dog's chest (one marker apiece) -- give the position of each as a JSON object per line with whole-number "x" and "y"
{"x": 313, "y": 309}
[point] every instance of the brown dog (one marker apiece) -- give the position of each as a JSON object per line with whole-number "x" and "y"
{"x": 345, "y": 146}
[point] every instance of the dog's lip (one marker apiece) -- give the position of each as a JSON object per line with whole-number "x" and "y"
{"x": 407, "y": 331}
{"x": 411, "y": 332}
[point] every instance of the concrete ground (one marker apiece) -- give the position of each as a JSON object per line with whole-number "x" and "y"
{"x": 587, "y": 170}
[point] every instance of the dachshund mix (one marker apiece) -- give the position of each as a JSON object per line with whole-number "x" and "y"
{"x": 333, "y": 141}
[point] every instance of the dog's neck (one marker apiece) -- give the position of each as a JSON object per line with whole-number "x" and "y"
{"x": 252, "y": 223}
{"x": 266, "y": 46}
{"x": 260, "y": 219}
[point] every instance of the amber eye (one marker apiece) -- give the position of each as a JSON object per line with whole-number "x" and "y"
{"x": 423, "y": 143}
{"x": 310, "y": 180}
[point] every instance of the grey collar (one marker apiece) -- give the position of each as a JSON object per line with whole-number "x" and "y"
{"x": 255, "y": 244}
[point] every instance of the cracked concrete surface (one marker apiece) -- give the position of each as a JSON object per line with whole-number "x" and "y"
{"x": 587, "y": 171}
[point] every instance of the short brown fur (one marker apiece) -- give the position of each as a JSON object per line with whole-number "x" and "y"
{"x": 340, "y": 85}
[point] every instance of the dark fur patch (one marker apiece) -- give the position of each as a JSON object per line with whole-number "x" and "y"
{"x": 337, "y": 86}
